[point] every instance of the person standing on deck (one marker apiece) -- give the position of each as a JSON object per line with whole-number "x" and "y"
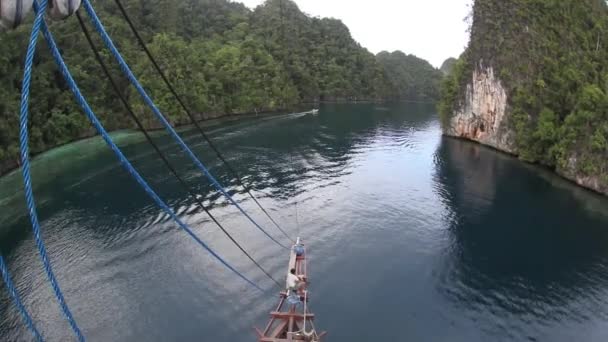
{"x": 294, "y": 283}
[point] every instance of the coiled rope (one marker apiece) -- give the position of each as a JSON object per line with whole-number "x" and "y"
{"x": 25, "y": 162}
{"x": 129, "y": 74}
{"x": 121, "y": 157}
{"x": 141, "y": 127}
{"x": 193, "y": 120}
{"x": 27, "y": 319}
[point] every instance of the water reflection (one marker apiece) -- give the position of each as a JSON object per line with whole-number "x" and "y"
{"x": 118, "y": 254}
{"x": 539, "y": 256}
{"x": 445, "y": 240}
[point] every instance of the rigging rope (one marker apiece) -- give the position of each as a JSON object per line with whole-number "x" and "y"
{"x": 121, "y": 157}
{"x": 293, "y": 165}
{"x": 312, "y": 332}
{"x": 187, "y": 110}
{"x": 25, "y": 162}
{"x": 13, "y": 293}
{"x": 127, "y": 71}
{"x": 297, "y": 219}
{"x": 156, "y": 148}
{"x": 288, "y": 66}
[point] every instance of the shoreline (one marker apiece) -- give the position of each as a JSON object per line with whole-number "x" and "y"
{"x": 124, "y": 133}
{"x": 541, "y": 167}
{"x": 208, "y": 120}
{"x": 48, "y": 165}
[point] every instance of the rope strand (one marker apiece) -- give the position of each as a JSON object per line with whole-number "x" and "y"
{"x": 155, "y": 146}
{"x": 193, "y": 120}
{"x": 142, "y": 92}
{"x": 27, "y": 319}
{"x": 293, "y": 165}
{"x": 25, "y": 162}
{"x": 121, "y": 157}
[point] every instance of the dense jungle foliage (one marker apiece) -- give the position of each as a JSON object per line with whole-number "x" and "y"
{"x": 551, "y": 56}
{"x": 222, "y": 57}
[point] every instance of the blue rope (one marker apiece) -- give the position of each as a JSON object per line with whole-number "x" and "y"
{"x": 13, "y": 292}
{"x": 25, "y": 162}
{"x": 121, "y": 157}
{"x": 142, "y": 92}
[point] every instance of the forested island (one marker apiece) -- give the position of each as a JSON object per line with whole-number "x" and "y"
{"x": 534, "y": 82}
{"x": 223, "y": 58}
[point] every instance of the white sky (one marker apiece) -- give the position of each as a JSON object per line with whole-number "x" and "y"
{"x": 430, "y": 29}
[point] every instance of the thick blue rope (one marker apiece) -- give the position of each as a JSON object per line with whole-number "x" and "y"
{"x": 142, "y": 92}
{"x": 25, "y": 162}
{"x": 121, "y": 157}
{"x": 27, "y": 319}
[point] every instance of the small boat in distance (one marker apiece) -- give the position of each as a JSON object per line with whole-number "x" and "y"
{"x": 314, "y": 112}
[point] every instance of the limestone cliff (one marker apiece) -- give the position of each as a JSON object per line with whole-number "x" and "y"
{"x": 482, "y": 115}
{"x": 533, "y": 82}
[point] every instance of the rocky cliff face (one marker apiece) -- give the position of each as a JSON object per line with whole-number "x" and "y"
{"x": 532, "y": 82}
{"x": 482, "y": 115}
{"x": 594, "y": 182}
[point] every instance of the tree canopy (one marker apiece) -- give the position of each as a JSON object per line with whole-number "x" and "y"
{"x": 222, "y": 57}
{"x": 412, "y": 78}
{"x": 551, "y": 57}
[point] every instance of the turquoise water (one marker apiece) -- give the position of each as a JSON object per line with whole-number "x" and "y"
{"x": 412, "y": 237}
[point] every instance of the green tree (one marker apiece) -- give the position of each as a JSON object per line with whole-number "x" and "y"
{"x": 222, "y": 58}
{"x": 551, "y": 58}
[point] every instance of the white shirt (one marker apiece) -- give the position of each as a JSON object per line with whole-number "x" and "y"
{"x": 292, "y": 280}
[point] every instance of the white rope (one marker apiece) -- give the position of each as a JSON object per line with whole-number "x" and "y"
{"x": 305, "y": 311}
{"x": 297, "y": 219}
{"x": 313, "y": 333}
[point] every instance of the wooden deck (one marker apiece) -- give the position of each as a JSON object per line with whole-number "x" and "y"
{"x": 290, "y": 322}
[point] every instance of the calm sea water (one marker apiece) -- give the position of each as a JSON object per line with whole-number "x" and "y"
{"x": 411, "y": 236}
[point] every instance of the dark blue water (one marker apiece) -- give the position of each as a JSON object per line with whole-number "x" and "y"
{"x": 412, "y": 237}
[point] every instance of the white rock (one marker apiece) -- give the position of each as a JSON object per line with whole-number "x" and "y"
{"x": 482, "y": 115}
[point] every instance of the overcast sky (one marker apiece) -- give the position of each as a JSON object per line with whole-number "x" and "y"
{"x": 430, "y": 29}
